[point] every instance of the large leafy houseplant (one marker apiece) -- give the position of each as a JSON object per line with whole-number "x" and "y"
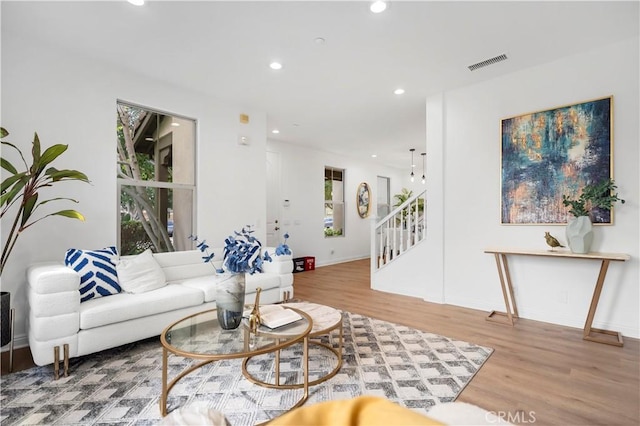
{"x": 23, "y": 188}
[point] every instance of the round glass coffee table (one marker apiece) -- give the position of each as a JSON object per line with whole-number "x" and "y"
{"x": 200, "y": 337}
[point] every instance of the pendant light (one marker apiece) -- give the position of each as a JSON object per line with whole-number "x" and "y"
{"x": 424, "y": 154}
{"x": 412, "y": 165}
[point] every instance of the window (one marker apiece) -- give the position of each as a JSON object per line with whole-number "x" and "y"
{"x": 384, "y": 196}
{"x": 156, "y": 180}
{"x": 333, "y": 202}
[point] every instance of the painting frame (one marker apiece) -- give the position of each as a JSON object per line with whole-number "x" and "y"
{"x": 363, "y": 199}
{"x": 550, "y": 153}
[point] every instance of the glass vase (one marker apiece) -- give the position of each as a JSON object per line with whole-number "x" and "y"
{"x": 230, "y": 300}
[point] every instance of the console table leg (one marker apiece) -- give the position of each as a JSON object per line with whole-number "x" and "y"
{"x": 588, "y": 333}
{"x": 507, "y": 293}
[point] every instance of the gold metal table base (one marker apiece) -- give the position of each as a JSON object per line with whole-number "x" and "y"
{"x": 167, "y": 386}
{"x": 327, "y": 331}
{"x": 336, "y": 351}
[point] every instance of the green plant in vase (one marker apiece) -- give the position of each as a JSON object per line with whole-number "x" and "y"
{"x": 600, "y": 195}
{"x": 20, "y": 197}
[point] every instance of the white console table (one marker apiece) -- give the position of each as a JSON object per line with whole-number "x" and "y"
{"x": 508, "y": 317}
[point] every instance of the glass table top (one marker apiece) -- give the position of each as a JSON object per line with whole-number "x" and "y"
{"x": 200, "y": 336}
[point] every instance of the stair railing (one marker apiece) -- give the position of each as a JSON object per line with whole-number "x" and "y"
{"x": 400, "y": 230}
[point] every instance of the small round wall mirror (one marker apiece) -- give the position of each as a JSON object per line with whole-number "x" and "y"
{"x": 363, "y": 199}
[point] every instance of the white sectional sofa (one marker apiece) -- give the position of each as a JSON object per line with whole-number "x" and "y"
{"x": 57, "y": 318}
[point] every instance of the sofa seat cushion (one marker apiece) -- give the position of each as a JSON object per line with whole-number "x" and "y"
{"x": 127, "y": 306}
{"x": 207, "y": 285}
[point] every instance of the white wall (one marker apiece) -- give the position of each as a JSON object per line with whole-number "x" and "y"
{"x": 302, "y": 183}
{"x": 71, "y": 100}
{"x": 420, "y": 272}
{"x": 470, "y": 193}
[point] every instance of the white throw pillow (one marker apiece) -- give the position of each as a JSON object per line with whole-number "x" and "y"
{"x": 140, "y": 273}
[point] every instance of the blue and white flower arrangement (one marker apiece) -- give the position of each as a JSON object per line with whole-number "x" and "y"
{"x": 241, "y": 253}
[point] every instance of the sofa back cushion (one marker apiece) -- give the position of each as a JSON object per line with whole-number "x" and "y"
{"x": 181, "y": 265}
{"x": 141, "y": 273}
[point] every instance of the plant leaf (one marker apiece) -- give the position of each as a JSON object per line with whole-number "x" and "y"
{"x": 3, "y": 132}
{"x": 58, "y": 198}
{"x": 73, "y": 214}
{"x": 8, "y": 166}
{"x": 17, "y": 149}
{"x": 51, "y": 154}
{"x": 17, "y": 187}
{"x": 6, "y": 184}
{"x": 35, "y": 153}
{"x": 29, "y": 204}
{"x": 58, "y": 175}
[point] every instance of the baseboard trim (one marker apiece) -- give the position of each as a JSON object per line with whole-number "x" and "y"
{"x": 337, "y": 261}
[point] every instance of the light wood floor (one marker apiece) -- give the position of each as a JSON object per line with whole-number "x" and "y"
{"x": 538, "y": 371}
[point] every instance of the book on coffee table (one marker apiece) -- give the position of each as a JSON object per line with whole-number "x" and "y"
{"x": 274, "y": 316}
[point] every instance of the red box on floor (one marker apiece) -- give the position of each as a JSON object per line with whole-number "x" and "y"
{"x": 309, "y": 263}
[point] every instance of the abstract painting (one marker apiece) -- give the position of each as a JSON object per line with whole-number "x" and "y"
{"x": 549, "y": 153}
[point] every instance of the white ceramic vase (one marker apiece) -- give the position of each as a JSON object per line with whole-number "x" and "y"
{"x": 579, "y": 234}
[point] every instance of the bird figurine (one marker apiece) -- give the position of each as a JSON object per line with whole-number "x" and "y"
{"x": 552, "y": 241}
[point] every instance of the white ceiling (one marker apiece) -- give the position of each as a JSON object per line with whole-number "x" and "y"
{"x": 337, "y": 96}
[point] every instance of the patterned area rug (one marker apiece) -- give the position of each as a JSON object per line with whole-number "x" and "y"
{"x": 122, "y": 386}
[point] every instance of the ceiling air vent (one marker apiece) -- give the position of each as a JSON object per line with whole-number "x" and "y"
{"x": 488, "y": 62}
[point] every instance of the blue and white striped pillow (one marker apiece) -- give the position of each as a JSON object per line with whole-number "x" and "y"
{"x": 97, "y": 269}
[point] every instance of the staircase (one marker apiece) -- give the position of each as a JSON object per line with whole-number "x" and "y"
{"x": 398, "y": 232}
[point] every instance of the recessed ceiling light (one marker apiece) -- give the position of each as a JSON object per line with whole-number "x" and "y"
{"x": 136, "y": 2}
{"x": 319, "y": 40}
{"x": 373, "y": 155}
{"x": 378, "y": 6}
{"x": 398, "y": 91}
{"x": 275, "y": 65}
{"x": 275, "y": 131}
